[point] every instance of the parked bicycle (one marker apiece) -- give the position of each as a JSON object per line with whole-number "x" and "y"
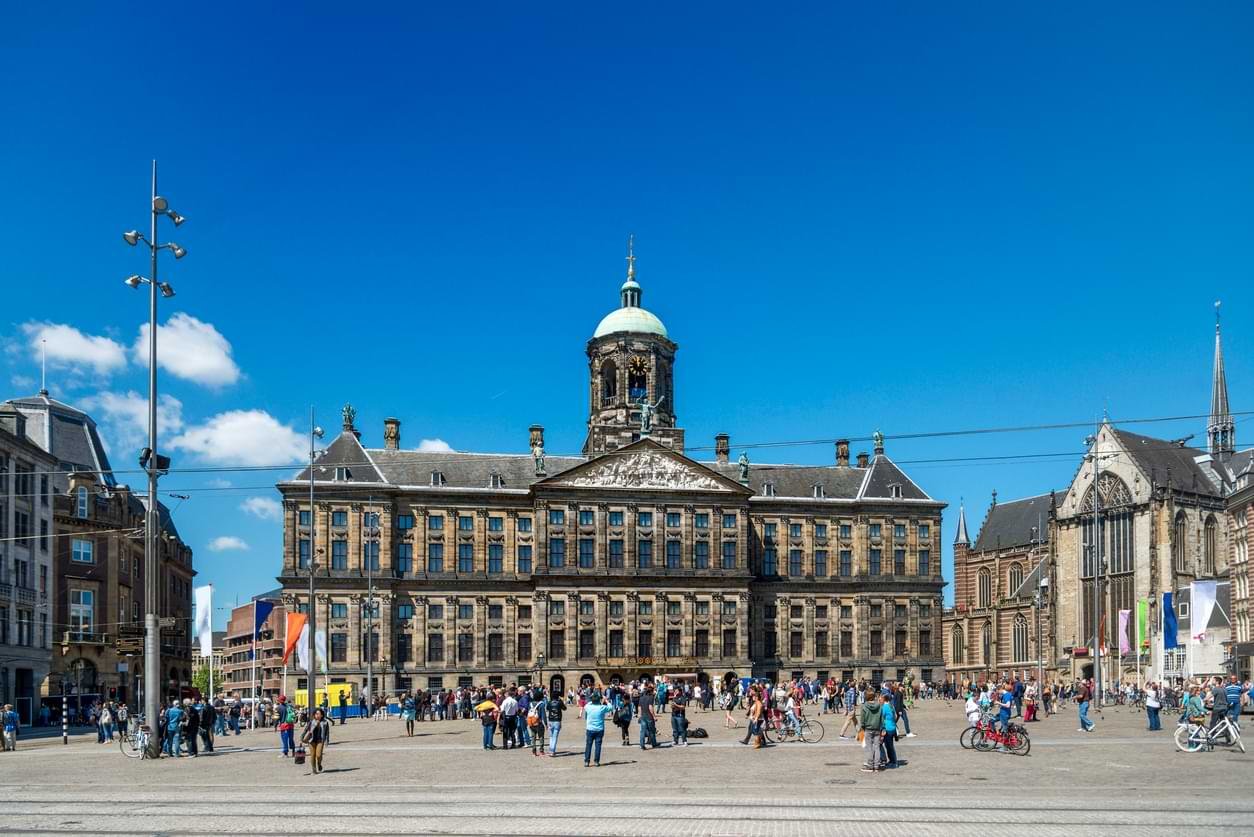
{"x": 984, "y": 724}
{"x": 134, "y": 738}
{"x": 1193, "y": 735}
{"x": 1015, "y": 740}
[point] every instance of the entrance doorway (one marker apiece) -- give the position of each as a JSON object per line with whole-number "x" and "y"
{"x": 557, "y": 685}
{"x": 586, "y": 681}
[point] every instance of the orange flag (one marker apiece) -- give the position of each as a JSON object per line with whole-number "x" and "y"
{"x": 295, "y": 624}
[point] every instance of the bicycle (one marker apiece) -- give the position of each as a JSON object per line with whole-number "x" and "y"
{"x": 134, "y": 738}
{"x": 1015, "y": 740}
{"x": 1193, "y": 735}
{"x": 808, "y": 732}
{"x": 967, "y": 737}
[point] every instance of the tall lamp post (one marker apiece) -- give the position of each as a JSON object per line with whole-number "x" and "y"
{"x": 1096, "y": 546}
{"x": 153, "y": 464}
{"x": 315, "y": 432}
{"x": 540, "y": 670}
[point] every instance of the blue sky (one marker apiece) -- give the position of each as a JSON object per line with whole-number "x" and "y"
{"x": 850, "y": 218}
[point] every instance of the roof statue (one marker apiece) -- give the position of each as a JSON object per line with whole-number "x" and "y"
{"x": 743, "y": 462}
{"x": 350, "y": 415}
{"x": 647, "y": 411}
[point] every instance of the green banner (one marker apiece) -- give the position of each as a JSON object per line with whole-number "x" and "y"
{"x": 1142, "y": 622}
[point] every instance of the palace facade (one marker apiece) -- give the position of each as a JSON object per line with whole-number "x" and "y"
{"x": 631, "y": 560}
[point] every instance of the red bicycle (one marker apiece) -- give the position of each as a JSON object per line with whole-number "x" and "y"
{"x": 1015, "y": 740}
{"x": 984, "y": 724}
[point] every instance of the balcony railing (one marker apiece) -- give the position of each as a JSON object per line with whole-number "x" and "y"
{"x": 84, "y": 638}
{"x": 6, "y": 592}
{"x": 26, "y": 595}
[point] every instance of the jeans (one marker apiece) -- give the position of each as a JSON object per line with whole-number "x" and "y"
{"x": 554, "y": 728}
{"x": 107, "y": 729}
{"x": 873, "y": 748}
{"x": 1152, "y": 713}
{"x": 219, "y": 725}
{"x": 235, "y": 725}
{"x": 524, "y": 731}
{"x": 286, "y": 739}
{"x": 793, "y": 723}
{"x": 173, "y": 741}
{"x": 679, "y": 729}
{"x": 593, "y": 737}
{"x": 888, "y": 740}
{"x": 648, "y": 732}
{"x": 343, "y": 714}
{"x": 904, "y": 720}
{"x": 489, "y": 730}
{"x": 1085, "y": 723}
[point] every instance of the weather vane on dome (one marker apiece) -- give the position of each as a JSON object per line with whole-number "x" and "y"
{"x": 631, "y": 256}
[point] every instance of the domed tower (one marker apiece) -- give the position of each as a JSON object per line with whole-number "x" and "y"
{"x": 631, "y": 389}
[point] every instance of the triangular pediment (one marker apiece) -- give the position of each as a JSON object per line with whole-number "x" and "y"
{"x": 644, "y": 466}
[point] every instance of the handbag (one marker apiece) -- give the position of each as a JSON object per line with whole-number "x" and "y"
{"x": 300, "y": 755}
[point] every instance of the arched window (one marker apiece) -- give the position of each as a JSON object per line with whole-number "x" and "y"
{"x": 1178, "y": 538}
{"x": 986, "y": 644}
{"x": 984, "y": 596}
{"x": 955, "y": 646}
{"x": 1019, "y": 638}
{"x": 1016, "y": 579}
{"x": 609, "y": 381}
{"x": 1208, "y": 547}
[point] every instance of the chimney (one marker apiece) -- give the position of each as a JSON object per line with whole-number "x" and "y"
{"x": 842, "y": 453}
{"x": 391, "y": 434}
{"x": 862, "y": 459}
{"x": 722, "y": 448}
{"x": 537, "y": 437}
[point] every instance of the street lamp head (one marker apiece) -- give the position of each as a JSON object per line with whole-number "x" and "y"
{"x": 317, "y": 431}
{"x": 166, "y": 290}
{"x": 134, "y": 281}
{"x": 178, "y": 251}
{"x": 176, "y": 218}
{"x": 131, "y": 237}
{"x": 160, "y": 204}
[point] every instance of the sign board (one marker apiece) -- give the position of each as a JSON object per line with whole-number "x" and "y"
{"x": 169, "y": 621}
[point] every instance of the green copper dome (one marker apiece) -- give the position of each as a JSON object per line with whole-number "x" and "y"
{"x": 630, "y": 317}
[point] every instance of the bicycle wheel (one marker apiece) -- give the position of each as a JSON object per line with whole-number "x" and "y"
{"x": 132, "y": 746}
{"x": 982, "y": 742}
{"x": 771, "y": 733}
{"x": 1021, "y": 745}
{"x": 1187, "y": 741}
{"x": 811, "y": 732}
{"x": 967, "y": 738}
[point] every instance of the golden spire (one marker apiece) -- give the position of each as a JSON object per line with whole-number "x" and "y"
{"x": 631, "y": 257}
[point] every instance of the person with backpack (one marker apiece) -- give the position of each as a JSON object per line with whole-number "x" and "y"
{"x": 534, "y": 722}
{"x": 10, "y": 722}
{"x": 286, "y": 715}
{"x": 622, "y": 719}
{"x": 317, "y": 734}
{"x": 553, "y": 709}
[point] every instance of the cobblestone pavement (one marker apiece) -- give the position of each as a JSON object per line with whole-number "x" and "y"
{"x": 1119, "y": 779}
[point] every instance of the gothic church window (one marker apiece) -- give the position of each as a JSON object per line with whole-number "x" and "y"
{"x": 1208, "y": 547}
{"x": 955, "y": 645}
{"x": 985, "y": 591}
{"x": 1016, "y": 579}
{"x": 1019, "y": 638}
{"x": 1178, "y": 538}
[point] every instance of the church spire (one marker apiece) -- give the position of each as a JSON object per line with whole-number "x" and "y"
{"x": 961, "y": 537}
{"x": 1221, "y": 429}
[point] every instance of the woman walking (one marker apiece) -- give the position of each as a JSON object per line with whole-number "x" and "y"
{"x": 409, "y": 710}
{"x": 317, "y": 731}
{"x": 732, "y": 701}
{"x": 553, "y": 709}
{"x": 1153, "y": 703}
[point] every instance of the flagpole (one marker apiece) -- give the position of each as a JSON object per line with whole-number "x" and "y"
{"x": 253, "y": 679}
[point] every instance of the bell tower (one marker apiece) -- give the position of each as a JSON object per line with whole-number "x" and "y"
{"x": 631, "y": 361}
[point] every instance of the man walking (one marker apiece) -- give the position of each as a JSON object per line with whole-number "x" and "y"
{"x": 10, "y": 723}
{"x": 1083, "y": 695}
{"x": 871, "y": 721}
{"x": 509, "y": 713}
{"x": 286, "y": 723}
{"x": 343, "y": 707}
{"x": 648, "y": 720}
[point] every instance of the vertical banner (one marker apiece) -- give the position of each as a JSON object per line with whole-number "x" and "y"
{"x": 302, "y": 648}
{"x": 1170, "y": 629}
{"x": 261, "y": 611}
{"x": 296, "y": 622}
{"x": 1142, "y": 623}
{"x": 1201, "y": 605}
{"x": 1125, "y": 621}
{"x": 203, "y": 599}
{"x": 320, "y": 643}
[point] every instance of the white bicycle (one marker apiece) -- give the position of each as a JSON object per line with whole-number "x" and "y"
{"x": 1192, "y": 736}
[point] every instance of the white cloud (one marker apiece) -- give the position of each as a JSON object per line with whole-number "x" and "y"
{"x": 243, "y": 437}
{"x": 434, "y": 446}
{"x": 190, "y": 349}
{"x": 70, "y": 348}
{"x": 222, "y": 543}
{"x": 218, "y": 482}
{"x": 125, "y": 416}
{"x": 266, "y": 508}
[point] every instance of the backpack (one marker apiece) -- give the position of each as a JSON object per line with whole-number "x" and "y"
{"x": 289, "y": 717}
{"x": 698, "y": 732}
{"x": 533, "y": 717}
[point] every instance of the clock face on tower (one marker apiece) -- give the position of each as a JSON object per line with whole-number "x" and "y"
{"x": 638, "y": 378}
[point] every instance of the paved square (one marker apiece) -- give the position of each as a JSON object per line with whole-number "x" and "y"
{"x": 1119, "y": 779}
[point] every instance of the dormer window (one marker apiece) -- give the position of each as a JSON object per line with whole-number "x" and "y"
{"x": 496, "y": 481}
{"x": 819, "y": 491}
{"x": 437, "y": 478}
{"x": 768, "y": 489}
{"x": 342, "y": 474}
{"x": 894, "y": 491}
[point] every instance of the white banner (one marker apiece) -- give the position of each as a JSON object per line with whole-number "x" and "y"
{"x": 1202, "y": 604}
{"x": 302, "y": 648}
{"x": 203, "y": 597}
{"x": 320, "y": 643}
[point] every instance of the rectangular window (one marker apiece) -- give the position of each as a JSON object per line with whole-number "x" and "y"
{"x": 794, "y": 644}
{"x": 339, "y": 648}
{"x": 616, "y": 553}
{"x": 768, "y": 532}
{"x": 303, "y": 517}
{"x": 673, "y": 648}
{"x": 875, "y": 562}
{"x": 496, "y": 648}
{"x": 371, "y": 555}
{"x": 794, "y": 611}
{"x": 435, "y": 558}
{"x": 925, "y": 644}
{"x": 496, "y": 558}
{"x": 496, "y": 524}
{"x": 672, "y": 520}
{"x": 925, "y": 562}
{"x": 674, "y": 607}
{"x": 587, "y": 517}
{"x": 770, "y": 561}
{"x": 876, "y": 530}
{"x": 524, "y": 613}
{"x": 557, "y": 607}
{"x": 496, "y": 612}
{"x": 370, "y": 650}
{"x": 557, "y": 517}
{"x": 339, "y": 555}
{"x": 524, "y": 558}
{"x": 557, "y": 552}
{"x": 877, "y": 610}
{"x": 465, "y": 557}
{"x": 404, "y": 612}
{"x": 82, "y": 612}
{"x": 846, "y": 611}
{"x": 404, "y": 648}
{"x": 465, "y": 523}
{"x": 846, "y": 531}
{"x": 877, "y": 643}
{"x": 820, "y": 562}
{"x": 899, "y": 530}
{"x": 729, "y": 521}
{"x": 557, "y": 645}
{"x": 899, "y": 611}
{"x": 585, "y": 553}
{"x": 43, "y": 535}
{"x": 404, "y": 557}
{"x": 925, "y": 532}
{"x": 524, "y": 524}
{"x": 846, "y": 644}
{"x": 465, "y": 611}
{"x": 899, "y": 643}
{"x": 644, "y": 643}
{"x": 616, "y": 608}
{"x": 701, "y": 521}
{"x": 435, "y": 522}
{"x": 524, "y": 648}
{"x": 339, "y": 610}
{"x": 820, "y": 611}
{"x": 616, "y": 518}
{"x": 81, "y": 551}
{"x": 404, "y": 522}
{"x": 729, "y": 555}
{"x": 771, "y": 645}
{"x": 339, "y": 518}
{"x": 794, "y": 530}
{"x": 702, "y": 607}
{"x": 672, "y": 554}
{"x": 370, "y": 520}
{"x": 465, "y": 648}
{"x": 794, "y": 562}
{"x": 701, "y": 555}
{"x": 729, "y": 607}
{"x": 701, "y": 643}
{"x": 729, "y": 642}
{"x": 925, "y": 610}
{"x": 846, "y": 563}
{"x": 617, "y": 648}
{"x": 435, "y": 612}
{"x": 644, "y": 520}
{"x": 644, "y": 554}
{"x": 587, "y": 644}
{"x": 899, "y": 562}
{"x": 587, "y": 607}
{"x": 820, "y": 530}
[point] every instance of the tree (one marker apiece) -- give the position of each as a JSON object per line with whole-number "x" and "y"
{"x": 200, "y": 680}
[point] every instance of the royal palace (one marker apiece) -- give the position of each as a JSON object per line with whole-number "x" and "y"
{"x": 439, "y": 569}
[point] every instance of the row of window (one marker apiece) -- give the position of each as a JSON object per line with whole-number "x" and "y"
{"x": 875, "y": 562}
{"x": 1018, "y": 643}
{"x": 28, "y": 634}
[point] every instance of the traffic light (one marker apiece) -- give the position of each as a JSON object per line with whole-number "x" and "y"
{"x": 160, "y": 463}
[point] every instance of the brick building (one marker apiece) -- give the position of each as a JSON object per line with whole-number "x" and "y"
{"x": 237, "y": 664}
{"x": 630, "y": 560}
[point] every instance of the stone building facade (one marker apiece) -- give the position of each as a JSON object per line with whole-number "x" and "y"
{"x": 631, "y": 560}
{"x": 1240, "y": 511}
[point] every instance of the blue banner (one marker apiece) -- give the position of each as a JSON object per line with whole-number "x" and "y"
{"x": 263, "y": 613}
{"x": 1169, "y": 623}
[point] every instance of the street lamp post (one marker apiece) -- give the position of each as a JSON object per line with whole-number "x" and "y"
{"x": 540, "y": 669}
{"x": 153, "y": 464}
{"x": 315, "y": 432}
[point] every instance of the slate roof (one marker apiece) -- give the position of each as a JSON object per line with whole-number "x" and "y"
{"x": 68, "y": 434}
{"x": 1171, "y": 465}
{"x": 796, "y": 480}
{"x": 1218, "y": 617}
{"x": 1010, "y": 524}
